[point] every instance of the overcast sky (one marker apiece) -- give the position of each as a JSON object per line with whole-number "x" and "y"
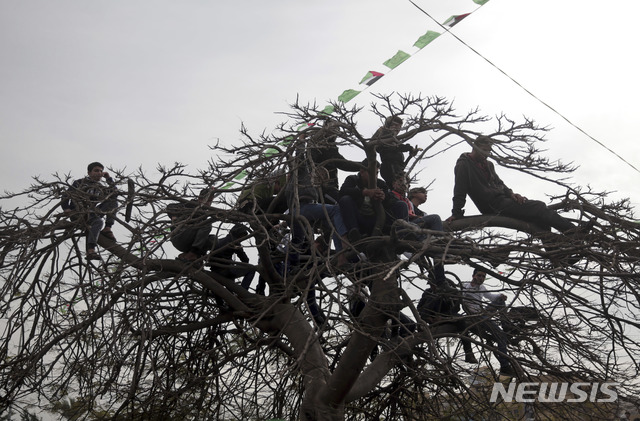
{"x": 136, "y": 83}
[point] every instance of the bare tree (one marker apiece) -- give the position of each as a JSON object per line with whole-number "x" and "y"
{"x": 140, "y": 335}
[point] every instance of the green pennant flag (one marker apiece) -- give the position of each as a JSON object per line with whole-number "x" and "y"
{"x": 329, "y": 109}
{"x": 348, "y": 95}
{"x": 270, "y": 152}
{"x": 241, "y": 175}
{"x": 480, "y": 2}
{"x": 396, "y": 60}
{"x": 427, "y": 38}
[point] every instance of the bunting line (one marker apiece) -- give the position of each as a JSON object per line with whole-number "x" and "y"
{"x": 372, "y": 76}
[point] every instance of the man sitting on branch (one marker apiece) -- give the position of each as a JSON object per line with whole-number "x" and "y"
{"x": 476, "y": 176}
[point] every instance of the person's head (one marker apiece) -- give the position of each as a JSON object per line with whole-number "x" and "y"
{"x": 95, "y": 170}
{"x": 418, "y": 195}
{"x": 364, "y": 172}
{"x": 401, "y": 183}
{"x": 482, "y": 148}
{"x": 206, "y": 196}
{"x": 329, "y": 130}
{"x": 393, "y": 123}
{"x": 478, "y": 277}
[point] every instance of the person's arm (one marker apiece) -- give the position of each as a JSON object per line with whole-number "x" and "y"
{"x": 491, "y": 296}
{"x": 346, "y": 165}
{"x": 333, "y": 156}
{"x": 111, "y": 192}
{"x": 405, "y": 147}
{"x": 350, "y": 188}
{"x": 388, "y": 197}
{"x": 460, "y": 190}
{"x": 108, "y": 179}
{"x": 66, "y": 202}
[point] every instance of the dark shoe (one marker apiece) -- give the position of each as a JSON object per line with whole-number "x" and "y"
{"x": 93, "y": 256}
{"x": 108, "y": 234}
{"x": 190, "y": 258}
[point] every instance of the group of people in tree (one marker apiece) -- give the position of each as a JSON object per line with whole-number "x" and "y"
{"x": 315, "y": 207}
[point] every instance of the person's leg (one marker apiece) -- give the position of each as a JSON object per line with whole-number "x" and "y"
{"x": 366, "y": 223}
{"x": 495, "y": 334}
{"x": 387, "y": 172}
{"x": 183, "y": 238}
{"x": 202, "y": 242}
{"x": 535, "y": 212}
{"x": 107, "y": 207}
{"x": 94, "y": 225}
{"x": 297, "y": 244}
{"x": 461, "y": 327}
{"x": 192, "y": 242}
{"x": 356, "y": 306}
{"x": 327, "y": 214}
{"x": 349, "y": 212}
{"x": 434, "y": 222}
{"x": 338, "y": 225}
{"x": 431, "y": 222}
{"x": 398, "y": 210}
{"x": 314, "y": 308}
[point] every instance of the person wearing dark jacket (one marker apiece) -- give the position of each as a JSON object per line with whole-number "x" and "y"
{"x": 90, "y": 200}
{"x": 302, "y": 195}
{"x": 190, "y": 227}
{"x": 392, "y": 161}
{"x": 356, "y": 201}
{"x": 324, "y": 153}
{"x": 437, "y": 309}
{"x": 476, "y": 177}
{"x": 223, "y": 252}
{"x": 263, "y": 196}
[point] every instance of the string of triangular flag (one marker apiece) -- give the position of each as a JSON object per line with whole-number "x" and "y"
{"x": 372, "y": 76}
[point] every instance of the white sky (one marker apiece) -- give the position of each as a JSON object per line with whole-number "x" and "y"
{"x": 136, "y": 83}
